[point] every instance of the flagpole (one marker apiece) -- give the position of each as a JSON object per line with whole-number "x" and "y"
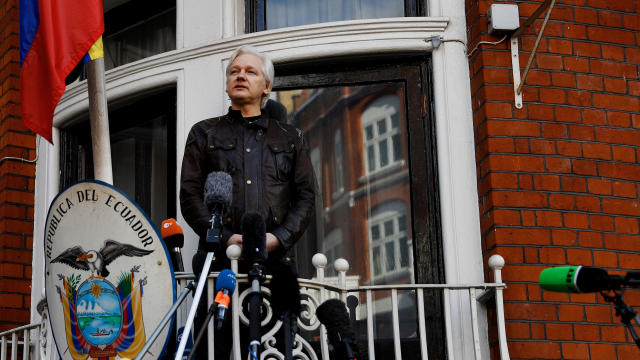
{"x": 99, "y": 119}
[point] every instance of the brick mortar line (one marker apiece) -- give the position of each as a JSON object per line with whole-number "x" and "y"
{"x": 555, "y": 155}
{"x": 603, "y": 92}
{"x": 508, "y": 51}
{"x": 553, "y": 104}
{"x": 576, "y": 247}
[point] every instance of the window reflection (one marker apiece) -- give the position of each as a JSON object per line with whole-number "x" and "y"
{"x": 141, "y": 151}
{"x": 284, "y": 13}
{"x": 358, "y": 141}
{"x": 135, "y": 30}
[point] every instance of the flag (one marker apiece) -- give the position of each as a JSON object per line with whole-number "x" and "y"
{"x": 54, "y": 38}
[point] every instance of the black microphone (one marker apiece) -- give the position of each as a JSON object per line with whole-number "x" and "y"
{"x": 217, "y": 197}
{"x": 276, "y": 110}
{"x": 285, "y": 301}
{"x": 254, "y": 240}
{"x": 580, "y": 279}
{"x": 333, "y": 315}
{"x": 254, "y": 251}
{"x": 174, "y": 239}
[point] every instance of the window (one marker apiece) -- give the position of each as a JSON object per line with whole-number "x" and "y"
{"x": 142, "y": 151}
{"x": 389, "y": 240}
{"x": 381, "y": 134}
{"x": 135, "y": 30}
{"x": 385, "y": 222}
{"x": 275, "y": 14}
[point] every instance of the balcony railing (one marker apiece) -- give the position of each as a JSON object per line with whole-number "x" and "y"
{"x": 371, "y": 308}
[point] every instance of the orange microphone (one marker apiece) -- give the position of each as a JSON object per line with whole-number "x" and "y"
{"x": 173, "y": 237}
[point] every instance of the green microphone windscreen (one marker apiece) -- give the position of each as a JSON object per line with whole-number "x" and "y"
{"x": 561, "y": 279}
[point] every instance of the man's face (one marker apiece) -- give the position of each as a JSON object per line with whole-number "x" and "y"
{"x": 245, "y": 82}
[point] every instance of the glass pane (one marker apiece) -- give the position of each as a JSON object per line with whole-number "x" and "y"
{"x": 388, "y": 228}
{"x": 284, "y": 13}
{"x": 389, "y": 249}
{"x": 375, "y": 232}
{"x": 402, "y": 223}
{"x": 384, "y": 153}
{"x": 134, "y": 31}
{"x": 369, "y": 132}
{"x": 377, "y": 265}
{"x": 371, "y": 156}
{"x": 369, "y": 208}
{"x": 140, "y": 150}
{"x": 382, "y": 126}
{"x": 397, "y": 151}
{"x": 395, "y": 120}
{"x": 404, "y": 252}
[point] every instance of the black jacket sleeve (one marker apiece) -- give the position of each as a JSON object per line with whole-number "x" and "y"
{"x": 303, "y": 198}
{"x": 192, "y": 178}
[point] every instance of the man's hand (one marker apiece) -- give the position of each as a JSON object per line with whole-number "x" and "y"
{"x": 272, "y": 242}
{"x": 235, "y": 239}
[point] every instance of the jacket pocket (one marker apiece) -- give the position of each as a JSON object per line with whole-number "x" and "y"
{"x": 277, "y": 214}
{"x": 283, "y": 153}
{"x": 219, "y": 152}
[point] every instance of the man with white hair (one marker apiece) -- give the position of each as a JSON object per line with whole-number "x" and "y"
{"x": 268, "y": 161}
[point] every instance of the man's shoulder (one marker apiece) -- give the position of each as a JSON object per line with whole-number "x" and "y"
{"x": 207, "y": 126}
{"x": 210, "y": 123}
{"x": 201, "y": 129}
{"x": 289, "y": 129}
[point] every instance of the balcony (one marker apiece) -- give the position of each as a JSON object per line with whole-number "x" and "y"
{"x": 376, "y": 314}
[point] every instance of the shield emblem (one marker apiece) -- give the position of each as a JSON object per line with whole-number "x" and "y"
{"x": 109, "y": 278}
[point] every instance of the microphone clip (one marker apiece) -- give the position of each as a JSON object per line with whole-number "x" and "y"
{"x": 214, "y": 234}
{"x": 256, "y": 272}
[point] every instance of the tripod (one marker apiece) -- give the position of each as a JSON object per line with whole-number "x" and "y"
{"x": 624, "y": 311}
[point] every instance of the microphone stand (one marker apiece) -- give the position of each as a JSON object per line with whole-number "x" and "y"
{"x": 212, "y": 244}
{"x": 289, "y": 320}
{"x": 165, "y": 320}
{"x": 203, "y": 329}
{"x": 624, "y": 311}
{"x": 256, "y": 277}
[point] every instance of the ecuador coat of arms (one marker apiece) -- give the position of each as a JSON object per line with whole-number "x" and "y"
{"x": 109, "y": 279}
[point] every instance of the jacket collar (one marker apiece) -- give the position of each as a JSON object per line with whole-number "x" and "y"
{"x": 261, "y": 120}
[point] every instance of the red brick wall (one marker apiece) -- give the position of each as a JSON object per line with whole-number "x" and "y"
{"x": 16, "y": 180}
{"x": 558, "y": 179}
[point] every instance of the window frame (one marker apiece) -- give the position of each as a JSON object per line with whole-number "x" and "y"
{"x": 256, "y": 14}
{"x": 415, "y": 74}
{"x": 71, "y": 148}
{"x": 424, "y": 212}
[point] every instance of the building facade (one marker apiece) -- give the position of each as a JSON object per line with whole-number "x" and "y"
{"x": 425, "y": 166}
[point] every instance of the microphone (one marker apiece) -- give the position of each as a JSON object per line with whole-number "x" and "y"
{"x": 254, "y": 240}
{"x": 579, "y": 279}
{"x": 254, "y": 251}
{"x": 225, "y": 286}
{"x": 285, "y": 297}
{"x": 333, "y": 315}
{"x": 174, "y": 239}
{"x": 217, "y": 197}
{"x": 285, "y": 290}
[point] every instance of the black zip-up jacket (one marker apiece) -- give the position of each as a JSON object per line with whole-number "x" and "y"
{"x": 271, "y": 171}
